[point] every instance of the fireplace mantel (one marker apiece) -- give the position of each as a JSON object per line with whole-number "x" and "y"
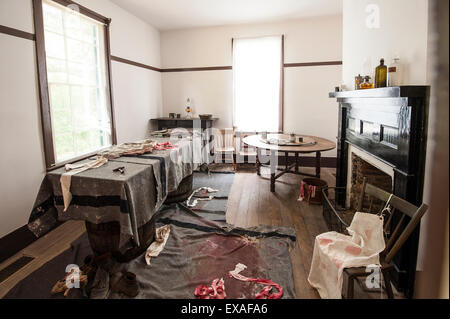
{"x": 388, "y": 92}
{"x": 390, "y": 124}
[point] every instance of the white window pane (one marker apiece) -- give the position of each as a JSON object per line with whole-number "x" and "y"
{"x": 80, "y": 105}
{"x": 54, "y": 45}
{"x": 64, "y": 147}
{"x": 56, "y": 69}
{"x": 82, "y": 74}
{"x": 61, "y": 111}
{"x": 62, "y": 123}
{"x": 53, "y": 19}
{"x": 59, "y": 96}
{"x": 81, "y": 52}
{"x": 80, "y": 29}
{"x": 88, "y": 141}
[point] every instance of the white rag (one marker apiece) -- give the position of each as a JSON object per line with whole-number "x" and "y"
{"x": 73, "y": 169}
{"x": 161, "y": 237}
{"x": 334, "y": 251}
{"x": 195, "y": 201}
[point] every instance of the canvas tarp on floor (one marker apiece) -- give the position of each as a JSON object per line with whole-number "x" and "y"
{"x": 197, "y": 252}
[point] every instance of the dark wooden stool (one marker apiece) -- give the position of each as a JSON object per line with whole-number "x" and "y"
{"x": 104, "y": 239}
{"x": 183, "y": 192}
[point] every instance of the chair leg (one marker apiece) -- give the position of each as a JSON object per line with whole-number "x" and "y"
{"x": 215, "y": 162}
{"x": 233, "y": 162}
{"x": 350, "y": 287}
{"x": 387, "y": 283}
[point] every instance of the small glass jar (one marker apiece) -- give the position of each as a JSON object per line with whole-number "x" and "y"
{"x": 292, "y": 138}
{"x": 367, "y": 84}
{"x": 188, "y": 109}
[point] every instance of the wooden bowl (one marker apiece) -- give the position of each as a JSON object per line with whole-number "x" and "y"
{"x": 205, "y": 116}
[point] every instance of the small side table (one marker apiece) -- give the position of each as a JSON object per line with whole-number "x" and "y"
{"x": 170, "y": 123}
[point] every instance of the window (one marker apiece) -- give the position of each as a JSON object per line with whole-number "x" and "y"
{"x": 257, "y": 75}
{"x": 76, "y": 82}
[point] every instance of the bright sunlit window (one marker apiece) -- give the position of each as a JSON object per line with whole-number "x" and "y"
{"x": 77, "y": 82}
{"x": 257, "y": 80}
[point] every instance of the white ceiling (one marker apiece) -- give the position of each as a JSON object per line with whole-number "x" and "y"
{"x": 181, "y": 14}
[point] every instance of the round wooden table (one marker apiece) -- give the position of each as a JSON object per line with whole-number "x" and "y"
{"x": 311, "y": 144}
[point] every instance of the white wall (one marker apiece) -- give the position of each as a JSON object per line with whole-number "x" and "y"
{"x": 403, "y": 31}
{"x": 17, "y": 14}
{"x": 137, "y": 97}
{"x": 307, "y": 109}
{"x": 22, "y": 164}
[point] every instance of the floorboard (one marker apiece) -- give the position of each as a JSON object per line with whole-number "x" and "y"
{"x": 251, "y": 203}
{"x": 42, "y": 250}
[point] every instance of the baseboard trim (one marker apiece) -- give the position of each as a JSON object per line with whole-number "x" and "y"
{"x": 304, "y": 161}
{"x": 308, "y": 161}
{"x": 14, "y": 242}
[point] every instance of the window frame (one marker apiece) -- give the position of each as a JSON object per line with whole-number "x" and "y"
{"x": 46, "y": 120}
{"x": 281, "y": 103}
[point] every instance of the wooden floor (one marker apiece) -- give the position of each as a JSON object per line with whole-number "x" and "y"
{"x": 250, "y": 204}
{"x": 42, "y": 250}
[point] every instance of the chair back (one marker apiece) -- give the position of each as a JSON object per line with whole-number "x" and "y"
{"x": 400, "y": 233}
{"x": 223, "y": 138}
{"x": 240, "y": 145}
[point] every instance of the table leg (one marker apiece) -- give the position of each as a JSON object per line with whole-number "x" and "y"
{"x": 273, "y": 170}
{"x": 258, "y": 163}
{"x": 318, "y": 164}
{"x": 286, "y": 158}
{"x": 296, "y": 162}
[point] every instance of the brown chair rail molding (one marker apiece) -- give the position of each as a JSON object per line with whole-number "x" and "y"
{"x": 205, "y": 68}
{"x": 130, "y": 62}
{"x": 17, "y": 33}
{"x": 296, "y": 65}
{"x": 31, "y": 36}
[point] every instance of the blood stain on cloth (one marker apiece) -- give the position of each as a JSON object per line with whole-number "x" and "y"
{"x": 217, "y": 254}
{"x": 324, "y": 241}
{"x": 353, "y": 250}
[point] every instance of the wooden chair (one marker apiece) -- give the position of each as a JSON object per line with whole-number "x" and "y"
{"x": 394, "y": 240}
{"x": 243, "y": 150}
{"x": 224, "y": 140}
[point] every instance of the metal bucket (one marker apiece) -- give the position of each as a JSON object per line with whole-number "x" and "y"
{"x": 314, "y": 196}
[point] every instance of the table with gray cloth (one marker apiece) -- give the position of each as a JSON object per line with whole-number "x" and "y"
{"x": 101, "y": 195}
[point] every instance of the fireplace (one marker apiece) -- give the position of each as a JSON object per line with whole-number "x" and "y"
{"x": 384, "y": 131}
{"x": 360, "y": 170}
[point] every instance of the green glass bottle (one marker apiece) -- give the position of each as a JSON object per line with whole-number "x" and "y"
{"x": 381, "y": 75}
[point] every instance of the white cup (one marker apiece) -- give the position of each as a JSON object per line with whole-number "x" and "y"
{"x": 264, "y": 135}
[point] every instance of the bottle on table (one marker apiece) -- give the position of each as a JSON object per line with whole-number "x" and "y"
{"x": 394, "y": 73}
{"x": 358, "y": 80}
{"x": 188, "y": 109}
{"x": 381, "y": 75}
